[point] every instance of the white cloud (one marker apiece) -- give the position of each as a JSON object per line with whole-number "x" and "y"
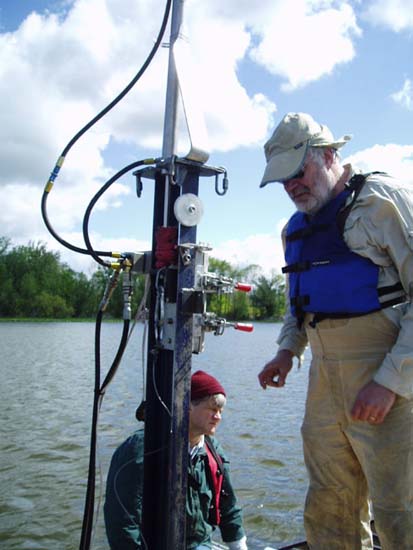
{"x": 304, "y": 40}
{"x": 232, "y": 117}
{"x": 404, "y": 97}
{"x": 397, "y": 160}
{"x": 395, "y": 14}
{"x": 264, "y": 250}
{"x": 57, "y": 73}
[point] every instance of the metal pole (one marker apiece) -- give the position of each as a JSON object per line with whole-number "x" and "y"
{"x": 169, "y": 367}
{"x": 172, "y": 90}
{"x": 172, "y": 96}
{"x": 157, "y": 417}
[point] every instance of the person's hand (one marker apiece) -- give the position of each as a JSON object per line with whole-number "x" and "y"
{"x": 373, "y": 403}
{"x": 275, "y": 371}
{"x": 240, "y": 544}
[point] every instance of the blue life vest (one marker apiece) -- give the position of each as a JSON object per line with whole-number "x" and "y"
{"x": 325, "y": 277}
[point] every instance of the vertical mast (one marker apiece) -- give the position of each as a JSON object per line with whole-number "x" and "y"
{"x": 172, "y": 91}
{"x": 172, "y": 94}
{"x": 179, "y": 287}
{"x": 169, "y": 343}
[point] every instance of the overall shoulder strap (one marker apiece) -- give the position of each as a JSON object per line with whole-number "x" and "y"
{"x": 355, "y": 185}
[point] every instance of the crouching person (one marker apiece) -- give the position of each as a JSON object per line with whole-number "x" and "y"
{"x": 211, "y": 500}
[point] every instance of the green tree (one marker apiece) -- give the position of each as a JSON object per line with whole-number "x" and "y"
{"x": 115, "y": 306}
{"x": 4, "y": 245}
{"x": 35, "y": 283}
{"x": 268, "y": 297}
{"x": 52, "y": 306}
{"x": 235, "y": 305}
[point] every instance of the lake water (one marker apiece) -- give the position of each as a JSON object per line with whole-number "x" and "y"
{"x": 47, "y": 378}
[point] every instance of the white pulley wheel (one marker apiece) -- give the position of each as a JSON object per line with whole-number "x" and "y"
{"x": 188, "y": 209}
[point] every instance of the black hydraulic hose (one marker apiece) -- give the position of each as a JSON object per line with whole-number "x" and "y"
{"x": 116, "y": 362}
{"x": 87, "y": 526}
{"x": 99, "y": 391}
{"x": 72, "y": 247}
{"x": 102, "y": 113}
{"x": 94, "y": 253}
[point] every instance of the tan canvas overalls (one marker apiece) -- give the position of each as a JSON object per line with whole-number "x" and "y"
{"x": 350, "y": 461}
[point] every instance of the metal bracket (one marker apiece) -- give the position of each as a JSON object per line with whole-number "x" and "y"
{"x": 141, "y": 262}
{"x": 169, "y": 326}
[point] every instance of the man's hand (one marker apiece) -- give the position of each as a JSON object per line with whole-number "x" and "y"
{"x": 373, "y": 403}
{"x": 240, "y": 544}
{"x": 275, "y": 371}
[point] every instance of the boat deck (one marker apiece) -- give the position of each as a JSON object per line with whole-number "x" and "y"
{"x": 298, "y": 545}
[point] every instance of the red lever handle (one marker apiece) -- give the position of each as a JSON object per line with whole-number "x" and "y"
{"x": 245, "y": 327}
{"x": 243, "y": 287}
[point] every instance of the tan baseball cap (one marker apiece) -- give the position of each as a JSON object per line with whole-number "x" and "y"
{"x": 286, "y": 149}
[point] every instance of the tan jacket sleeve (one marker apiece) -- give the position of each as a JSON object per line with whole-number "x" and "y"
{"x": 291, "y": 337}
{"x": 380, "y": 227}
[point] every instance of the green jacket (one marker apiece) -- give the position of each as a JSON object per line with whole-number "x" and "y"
{"x": 123, "y": 502}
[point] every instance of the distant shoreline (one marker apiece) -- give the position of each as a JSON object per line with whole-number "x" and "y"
{"x": 92, "y": 320}
{"x": 48, "y": 320}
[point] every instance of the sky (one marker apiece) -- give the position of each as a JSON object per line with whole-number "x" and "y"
{"x": 347, "y": 63}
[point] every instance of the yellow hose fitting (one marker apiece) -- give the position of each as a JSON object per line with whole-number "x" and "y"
{"x": 127, "y": 264}
{"x": 54, "y": 174}
{"x": 48, "y": 187}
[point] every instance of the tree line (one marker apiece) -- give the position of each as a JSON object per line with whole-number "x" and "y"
{"x": 35, "y": 283}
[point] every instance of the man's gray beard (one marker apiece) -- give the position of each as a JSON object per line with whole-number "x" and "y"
{"x": 323, "y": 195}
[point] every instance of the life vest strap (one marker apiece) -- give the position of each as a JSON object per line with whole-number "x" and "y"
{"x": 389, "y": 289}
{"x": 305, "y": 231}
{"x": 300, "y": 301}
{"x": 355, "y": 185}
{"x": 394, "y": 302}
{"x": 321, "y": 316}
{"x": 297, "y": 267}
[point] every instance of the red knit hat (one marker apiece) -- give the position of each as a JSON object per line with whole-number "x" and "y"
{"x": 203, "y": 384}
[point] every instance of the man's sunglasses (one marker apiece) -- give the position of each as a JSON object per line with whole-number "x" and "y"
{"x": 296, "y": 176}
